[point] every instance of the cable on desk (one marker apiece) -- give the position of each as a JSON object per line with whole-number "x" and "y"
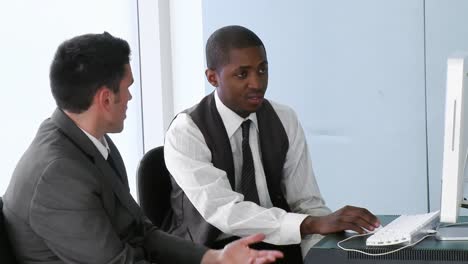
{"x": 454, "y": 224}
{"x": 431, "y": 233}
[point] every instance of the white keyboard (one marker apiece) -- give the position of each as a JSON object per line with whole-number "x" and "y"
{"x": 405, "y": 229}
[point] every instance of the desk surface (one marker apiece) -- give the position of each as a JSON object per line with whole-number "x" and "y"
{"x": 429, "y": 250}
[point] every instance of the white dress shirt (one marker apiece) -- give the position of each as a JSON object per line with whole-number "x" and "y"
{"x": 188, "y": 159}
{"x": 101, "y": 144}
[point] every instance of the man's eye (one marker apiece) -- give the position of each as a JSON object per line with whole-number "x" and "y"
{"x": 242, "y": 75}
{"x": 263, "y": 70}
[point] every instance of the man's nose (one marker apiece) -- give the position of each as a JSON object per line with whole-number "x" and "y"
{"x": 256, "y": 82}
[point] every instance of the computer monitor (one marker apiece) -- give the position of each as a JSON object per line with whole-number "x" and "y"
{"x": 455, "y": 148}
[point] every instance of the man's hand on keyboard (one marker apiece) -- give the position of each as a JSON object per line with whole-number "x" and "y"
{"x": 346, "y": 218}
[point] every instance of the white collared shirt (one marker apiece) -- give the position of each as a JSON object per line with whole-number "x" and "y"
{"x": 101, "y": 145}
{"x": 189, "y": 161}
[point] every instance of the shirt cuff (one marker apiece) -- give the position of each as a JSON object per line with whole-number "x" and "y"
{"x": 290, "y": 230}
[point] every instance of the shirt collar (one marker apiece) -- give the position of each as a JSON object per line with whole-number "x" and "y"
{"x": 101, "y": 145}
{"x": 231, "y": 120}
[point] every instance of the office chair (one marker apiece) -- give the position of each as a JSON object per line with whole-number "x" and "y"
{"x": 154, "y": 188}
{"x": 6, "y": 251}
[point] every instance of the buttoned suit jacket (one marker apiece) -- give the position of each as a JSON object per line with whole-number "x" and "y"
{"x": 66, "y": 204}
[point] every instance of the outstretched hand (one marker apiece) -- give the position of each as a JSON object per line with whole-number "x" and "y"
{"x": 239, "y": 252}
{"x": 346, "y": 218}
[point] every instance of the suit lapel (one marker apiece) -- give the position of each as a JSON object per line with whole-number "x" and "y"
{"x": 119, "y": 164}
{"x": 120, "y": 190}
{"x": 109, "y": 176}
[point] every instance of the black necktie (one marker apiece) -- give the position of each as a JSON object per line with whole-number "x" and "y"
{"x": 111, "y": 162}
{"x": 248, "y": 186}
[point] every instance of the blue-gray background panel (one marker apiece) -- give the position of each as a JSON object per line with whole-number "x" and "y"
{"x": 354, "y": 73}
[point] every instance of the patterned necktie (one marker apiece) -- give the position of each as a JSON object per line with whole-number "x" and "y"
{"x": 248, "y": 186}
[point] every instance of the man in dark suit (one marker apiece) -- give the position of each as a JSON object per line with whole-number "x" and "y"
{"x": 68, "y": 200}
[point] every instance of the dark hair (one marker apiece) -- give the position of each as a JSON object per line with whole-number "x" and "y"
{"x": 224, "y": 40}
{"x": 82, "y": 65}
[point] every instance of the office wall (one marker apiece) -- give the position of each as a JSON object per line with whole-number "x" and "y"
{"x": 172, "y": 62}
{"x": 357, "y": 72}
{"x": 188, "y": 65}
{"x": 354, "y": 72}
{"x": 31, "y": 32}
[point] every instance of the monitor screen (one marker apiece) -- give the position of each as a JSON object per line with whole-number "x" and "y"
{"x": 455, "y": 139}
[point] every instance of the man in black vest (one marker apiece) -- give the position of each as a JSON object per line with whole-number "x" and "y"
{"x": 240, "y": 163}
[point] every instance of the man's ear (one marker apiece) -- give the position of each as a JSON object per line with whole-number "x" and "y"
{"x": 103, "y": 97}
{"x": 212, "y": 77}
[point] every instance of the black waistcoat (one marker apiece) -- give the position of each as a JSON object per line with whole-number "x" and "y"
{"x": 187, "y": 221}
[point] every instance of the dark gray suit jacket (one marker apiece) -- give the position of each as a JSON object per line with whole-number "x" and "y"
{"x": 65, "y": 204}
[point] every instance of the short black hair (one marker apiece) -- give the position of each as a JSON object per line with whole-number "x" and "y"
{"x": 223, "y": 40}
{"x": 82, "y": 65}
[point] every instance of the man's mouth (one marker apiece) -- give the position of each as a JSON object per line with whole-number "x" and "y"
{"x": 255, "y": 99}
